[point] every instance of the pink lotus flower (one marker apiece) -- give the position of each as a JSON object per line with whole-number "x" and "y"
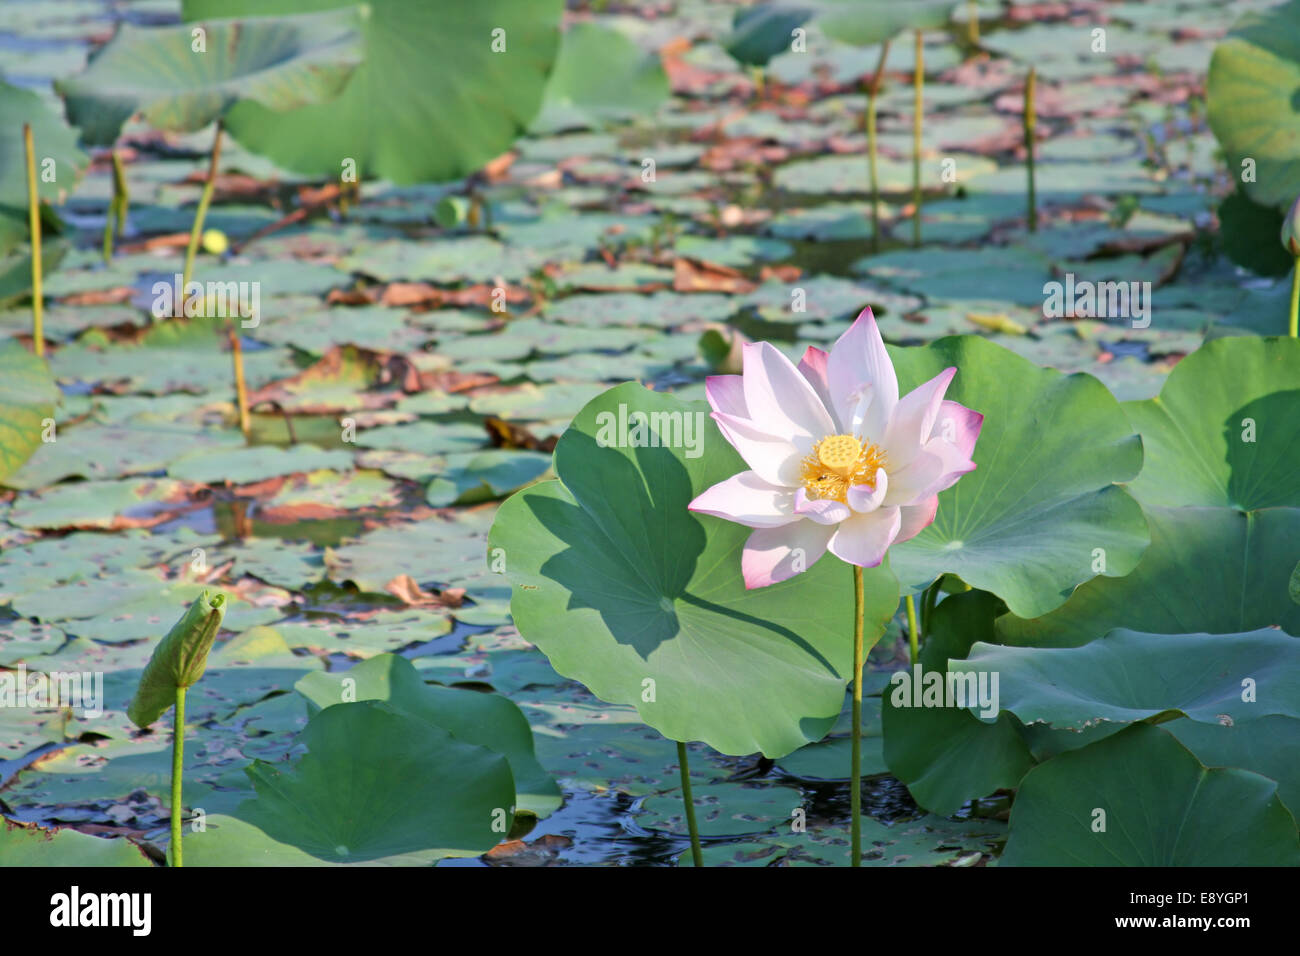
{"x": 839, "y": 462}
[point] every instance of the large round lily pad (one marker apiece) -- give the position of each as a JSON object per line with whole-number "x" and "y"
{"x": 433, "y": 100}
{"x": 486, "y": 720}
{"x": 1252, "y": 106}
{"x": 643, "y": 601}
{"x": 279, "y": 62}
{"x": 1027, "y": 523}
{"x": 1129, "y": 676}
{"x": 375, "y": 783}
{"x": 1214, "y": 570}
{"x": 1225, "y": 429}
{"x": 1161, "y": 807}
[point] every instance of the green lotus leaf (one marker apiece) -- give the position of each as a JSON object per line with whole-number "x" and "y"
{"x": 27, "y": 398}
{"x": 1211, "y": 570}
{"x": 376, "y": 783}
{"x": 1250, "y": 233}
{"x": 763, "y": 31}
{"x": 1161, "y": 806}
{"x": 1128, "y": 676}
{"x": 601, "y": 74}
{"x": 30, "y": 845}
{"x": 56, "y": 152}
{"x": 179, "y": 659}
{"x": 868, "y": 22}
{"x": 946, "y": 755}
{"x": 486, "y": 720}
{"x": 1252, "y": 106}
{"x": 630, "y": 593}
{"x": 1266, "y": 746}
{"x": 433, "y": 100}
{"x": 1225, "y": 429}
{"x": 1028, "y": 522}
{"x": 159, "y": 72}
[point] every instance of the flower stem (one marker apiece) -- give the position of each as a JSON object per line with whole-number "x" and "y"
{"x": 973, "y": 22}
{"x": 178, "y": 762}
{"x": 855, "y": 761}
{"x": 918, "y": 83}
{"x": 873, "y": 90}
{"x": 1294, "y": 328}
{"x": 241, "y": 391}
{"x": 34, "y": 218}
{"x": 913, "y": 640}
{"x": 1030, "y": 122}
{"x": 688, "y": 802}
{"x": 196, "y": 231}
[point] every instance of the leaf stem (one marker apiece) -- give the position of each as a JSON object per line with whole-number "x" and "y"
{"x": 918, "y": 83}
{"x": 34, "y": 219}
{"x": 913, "y": 639}
{"x": 873, "y": 90}
{"x": 115, "y": 218}
{"x": 1294, "y": 328}
{"x": 1030, "y": 122}
{"x": 689, "y": 804}
{"x": 178, "y": 763}
{"x": 855, "y": 761}
{"x": 196, "y": 231}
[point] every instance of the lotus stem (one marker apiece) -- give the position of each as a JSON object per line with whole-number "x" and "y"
{"x": 241, "y": 390}
{"x": 196, "y": 231}
{"x": 697, "y": 856}
{"x": 34, "y": 219}
{"x": 1294, "y": 327}
{"x": 855, "y": 761}
{"x": 873, "y": 90}
{"x": 973, "y": 22}
{"x": 928, "y": 600}
{"x": 120, "y": 191}
{"x": 760, "y": 84}
{"x": 913, "y": 638}
{"x": 918, "y": 83}
{"x": 116, "y": 207}
{"x": 178, "y": 764}
{"x": 1030, "y": 123}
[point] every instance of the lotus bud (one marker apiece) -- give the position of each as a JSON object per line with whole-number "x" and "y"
{"x": 1291, "y": 230}
{"x": 179, "y": 659}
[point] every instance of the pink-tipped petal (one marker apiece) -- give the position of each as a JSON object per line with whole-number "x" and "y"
{"x": 958, "y": 426}
{"x": 726, "y": 394}
{"x": 865, "y": 498}
{"x": 916, "y": 518}
{"x": 813, "y": 367}
{"x": 864, "y": 538}
{"x": 914, "y": 418}
{"x": 778, "y": 396}
{"x": 954, "y": 465}
{"x": 777, "y": 554}
{"x": 821, "y": 510}
{"x": 774, "y": 458}
{"x": 749, "y": 500}
{"x": 915, "y": 480}
{"x": 859, "y": 358}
